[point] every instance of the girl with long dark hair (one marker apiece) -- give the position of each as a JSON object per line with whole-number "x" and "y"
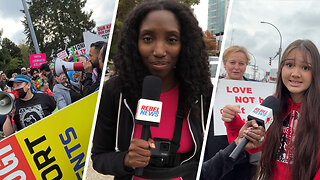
{"x": 160, "y": 38}
{"x": 294, "y": 134}
{"x": 291, "y": 147}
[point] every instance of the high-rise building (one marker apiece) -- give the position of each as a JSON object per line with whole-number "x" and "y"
{"x": 217, "y": 13}
{"x": 216, "y": 16}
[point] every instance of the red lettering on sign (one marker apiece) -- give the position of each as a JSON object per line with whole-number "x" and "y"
{"x": 13, "y": 164}
{"x": 244, "y": 90}
{"x": 228, "y": 90}
{"x": 239, "y": 99}
{"x": 260, "y": 100}
{"x": 242, "y": 110}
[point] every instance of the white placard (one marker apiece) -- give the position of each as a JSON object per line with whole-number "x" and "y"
{"x": 247, "y": 94}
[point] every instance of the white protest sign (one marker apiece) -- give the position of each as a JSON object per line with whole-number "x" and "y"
{"x": 104, "y": 30}
{"x": 90, "y": 38}
{"x": 247, "y": 94}
{"x": 63, "y": 54}
{"x": 78, "y": 49}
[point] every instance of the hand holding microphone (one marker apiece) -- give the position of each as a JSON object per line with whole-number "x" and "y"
{"x": 139, "y": 153}
{"x": 253, "y": 133}
{"x": 148, "y": 114}
{"x": 263, "y": 115}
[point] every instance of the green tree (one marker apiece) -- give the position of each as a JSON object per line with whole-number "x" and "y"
{"x": 13, "y": 66}
{"x": 4, "y": 59}
{"x": 58, "y": 24}
{"x": 12, "y": 48}
{"x": 124, "y": 8}
{"x": 5, "y": 56}
{"x": 25, "y": 51}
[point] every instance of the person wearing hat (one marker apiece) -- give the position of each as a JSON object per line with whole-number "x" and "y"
{"x": 30, "y": 107}
{"x": 24, "y": 71}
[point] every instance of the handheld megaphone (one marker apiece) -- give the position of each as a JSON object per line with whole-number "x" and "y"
{"x": 70, "y": 66}
{"x": 7, "y": 101}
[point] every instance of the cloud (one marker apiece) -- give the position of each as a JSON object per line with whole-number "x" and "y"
{"x": 102, "y": 11}
{"x": 11, "y": 9}
{"x": 294, "y": 19}
{"x": 12, "y": 29}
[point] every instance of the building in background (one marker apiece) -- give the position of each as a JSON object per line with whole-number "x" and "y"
{"x": 217, "y": 13}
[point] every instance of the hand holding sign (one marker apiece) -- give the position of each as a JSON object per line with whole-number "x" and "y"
{"x": 139, "y": 153}
{"x": 229, "y": 112}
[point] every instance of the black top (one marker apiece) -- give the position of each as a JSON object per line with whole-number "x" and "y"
{"x": 33, "y": 110}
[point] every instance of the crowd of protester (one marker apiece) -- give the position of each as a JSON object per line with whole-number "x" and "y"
{"x": 42, "y": 91}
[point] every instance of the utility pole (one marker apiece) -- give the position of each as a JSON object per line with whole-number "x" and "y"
{"x": 33, "y": 35}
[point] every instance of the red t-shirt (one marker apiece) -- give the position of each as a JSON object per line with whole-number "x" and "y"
{"x": 167, "y": 123}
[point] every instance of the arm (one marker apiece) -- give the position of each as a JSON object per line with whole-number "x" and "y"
{"x": 51, "y": 103}
{"x": 234, "y": 127}
{"x": 61, "y": 102}
{"x": 218, "y": 165}
{"x": 222, "y": 167}
{"x": 88, "y": 85}
{"x": 105, "y": 158}
{"x": 232, "y": 121}
{"x": 8, "y": 127}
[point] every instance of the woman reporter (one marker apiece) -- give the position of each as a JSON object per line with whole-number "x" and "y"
{"x": 160, "y": 38}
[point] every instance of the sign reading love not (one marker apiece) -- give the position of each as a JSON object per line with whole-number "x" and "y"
{"x": 247, "y": 94}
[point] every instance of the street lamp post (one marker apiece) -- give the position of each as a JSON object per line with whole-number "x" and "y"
{"x": 280, "y": 49}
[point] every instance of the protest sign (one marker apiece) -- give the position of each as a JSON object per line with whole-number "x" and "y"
{"x": 53, "y": 148}
{"x": 37, "y": 59}
{"x": 79, "y": 49}
{"x": 104, "y": 30}
{"x": 247, "y": 94}
{"x": 90, "y": 38}
{"x": 62, "y": 54}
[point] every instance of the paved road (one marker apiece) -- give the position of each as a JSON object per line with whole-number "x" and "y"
{"x": 93, "y": 175}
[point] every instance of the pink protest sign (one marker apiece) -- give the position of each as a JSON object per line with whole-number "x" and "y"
{"x": 37, "y": 59}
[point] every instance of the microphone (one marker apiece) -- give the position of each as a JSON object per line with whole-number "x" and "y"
{"x": 149, "y": 108}
{"x": 263, "y": 115}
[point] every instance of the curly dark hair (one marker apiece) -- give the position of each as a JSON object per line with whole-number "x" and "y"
{"x": 192, "y": 68}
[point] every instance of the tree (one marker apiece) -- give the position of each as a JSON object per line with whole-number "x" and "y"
{"x": 12, "y": 48}
{"x": 10, "y": 57}
{"x": 25, "y": 51}
{"x": 211, "y": 45}
{"x": 124, "y": 7}
{"x": 57, "y": 24}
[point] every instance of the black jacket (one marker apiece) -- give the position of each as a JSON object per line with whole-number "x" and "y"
{"x": 221, "y": 167}
{"x": 114, "y": 131}
{"x": 88, "y": 85}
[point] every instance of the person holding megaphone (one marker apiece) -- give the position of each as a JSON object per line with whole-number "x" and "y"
{"x": 91, "y": 79}
{"x": 30, "y": 107}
